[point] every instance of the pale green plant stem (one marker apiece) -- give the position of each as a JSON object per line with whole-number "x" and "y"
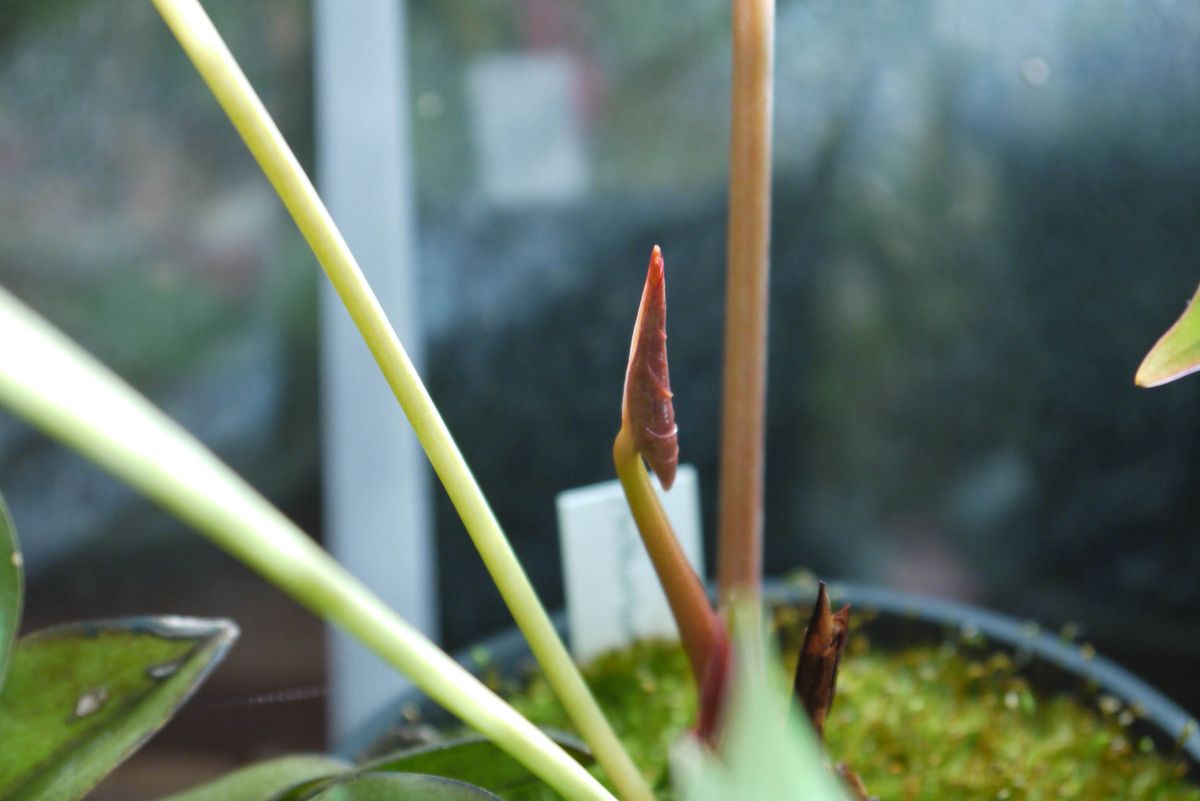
{"x": 54, "y": 385}
{"x": 697, "y": 623}
{"x": 220, "y": 71}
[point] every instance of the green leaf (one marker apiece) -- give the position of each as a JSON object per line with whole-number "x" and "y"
{"x": 400, "y": 787}
{"x": 10, "y": 587}
{"x": 81, "y": 698}
{"x": 474, "y": 760}
{"x": 1177, "y": 353}
{"x": 263, "y": 780}
{"x": 768, "y": 753}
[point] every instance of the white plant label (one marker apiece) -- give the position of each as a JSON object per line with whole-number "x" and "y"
{"x": 613, "y": 596}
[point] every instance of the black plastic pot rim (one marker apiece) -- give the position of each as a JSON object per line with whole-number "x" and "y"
{"x": 1025, "y": 638}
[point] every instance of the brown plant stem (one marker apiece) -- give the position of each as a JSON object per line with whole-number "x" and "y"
{"x": 743, "y": 399}
{"x": 699, "y": 627}
{"x": 854, "y": 783}
{"x": 713, "y": 689}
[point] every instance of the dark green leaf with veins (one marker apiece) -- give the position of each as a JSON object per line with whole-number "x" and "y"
{"x": 81, "y": 698}
{"x": 474, "y": 760}
{"x": 10, "y": 587}
{"x": 265, "y": 780}
{"x": 400, "y": 787}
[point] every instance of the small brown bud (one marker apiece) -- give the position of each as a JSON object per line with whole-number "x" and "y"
{"x": 820, "y": 653}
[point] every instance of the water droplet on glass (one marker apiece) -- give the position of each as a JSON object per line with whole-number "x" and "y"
{"x": 1035, "y": 71}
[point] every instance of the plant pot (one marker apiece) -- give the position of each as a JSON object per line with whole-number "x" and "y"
{"x": 1051, "y": 665}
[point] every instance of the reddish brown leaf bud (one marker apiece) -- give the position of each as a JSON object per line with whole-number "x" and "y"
{"x": 646, "y": 410}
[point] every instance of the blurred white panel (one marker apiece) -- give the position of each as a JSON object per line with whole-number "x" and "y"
{"x": 528, "y": 142}
{"x": 377, "y": 509}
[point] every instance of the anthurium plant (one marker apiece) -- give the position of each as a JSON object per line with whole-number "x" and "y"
{"x": 77, "y": 700}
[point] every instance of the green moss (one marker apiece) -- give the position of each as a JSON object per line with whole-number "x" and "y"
{"x": 922, "y": 724}
{"x": 931, "y": 723}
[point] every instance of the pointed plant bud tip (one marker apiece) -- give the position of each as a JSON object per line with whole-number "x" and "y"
{"x": 820, "y": 624}
{"x": 646, "y": 410}
{"x": 657, "y": 268}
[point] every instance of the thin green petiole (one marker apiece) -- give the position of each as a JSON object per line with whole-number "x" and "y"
{"x": 54, "y": 385}
{"x": 698, "y": 624}
{"x": 219, "y": 69}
